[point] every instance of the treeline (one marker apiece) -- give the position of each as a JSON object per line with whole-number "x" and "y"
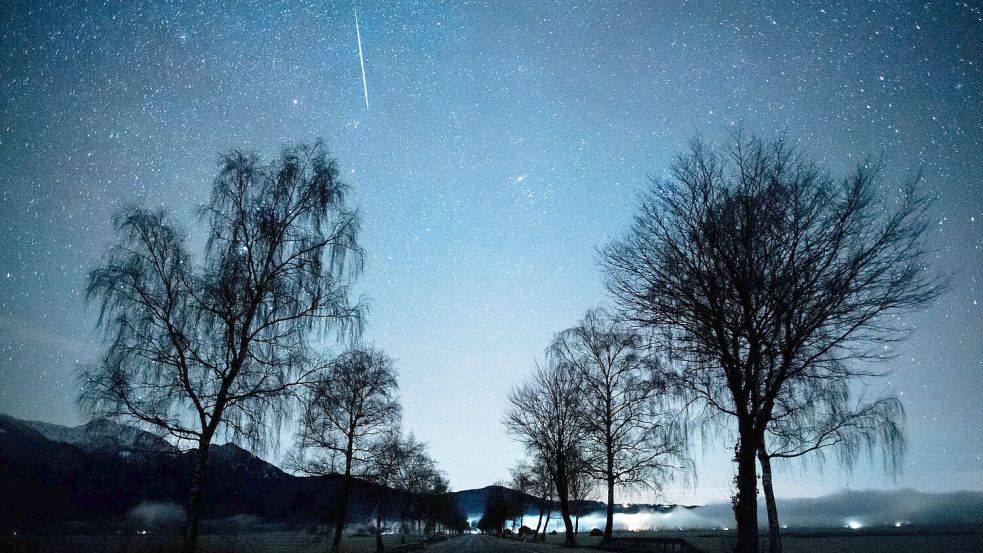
{"x": 749, "y": 300}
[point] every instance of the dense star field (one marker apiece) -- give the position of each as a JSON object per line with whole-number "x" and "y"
{"x": 502, "y": 144}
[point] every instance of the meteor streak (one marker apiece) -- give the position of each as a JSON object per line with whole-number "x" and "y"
{"x": 361, "y": 60}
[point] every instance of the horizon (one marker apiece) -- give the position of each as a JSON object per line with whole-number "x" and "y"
{"x": 600, "y": 501}
{"x": 491, "y": 152}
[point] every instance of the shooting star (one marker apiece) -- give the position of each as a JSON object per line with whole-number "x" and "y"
{"x": 361, "y": 60}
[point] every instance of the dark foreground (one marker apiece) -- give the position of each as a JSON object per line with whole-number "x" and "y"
{"x": 888, "y": 540}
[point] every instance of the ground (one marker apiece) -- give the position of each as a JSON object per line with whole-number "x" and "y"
{"x": 957, "y": 540}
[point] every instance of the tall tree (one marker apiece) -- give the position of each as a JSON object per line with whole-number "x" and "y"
{"x": 761, "y": 270}
{"x": 195, "y": 349}
{"x": 545, "y": 416}
{"x": 633, "y": 438}
{"x": 350, "y": 405}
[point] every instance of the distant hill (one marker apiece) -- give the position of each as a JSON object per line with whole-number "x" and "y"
{"x": 98, "y": 435}
{"x": 472, "y": 502}
{"x": 103, "y": 471}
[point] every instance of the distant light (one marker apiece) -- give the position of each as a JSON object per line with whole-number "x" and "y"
{"x": 854, "y": 525}
{"x": 726, "y": 528}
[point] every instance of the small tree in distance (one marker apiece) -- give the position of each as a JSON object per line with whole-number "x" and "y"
{"x": 391, "y": 455}
{"x": 761, "y": 274}
{"x": 539, "y": 484}
{"x": 349, "y": 407}
{"x": 195, "y": 349}
{"x": 545, "y": 417}
{"x": 633, "y": 438}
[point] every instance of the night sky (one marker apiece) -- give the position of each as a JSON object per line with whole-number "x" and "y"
{"x": 503, "y": 143}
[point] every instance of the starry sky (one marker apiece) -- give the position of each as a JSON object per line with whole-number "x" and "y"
{"x": 503, "y": 143}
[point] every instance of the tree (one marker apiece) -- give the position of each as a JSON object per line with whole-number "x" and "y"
{"x": 582, "y": 487}
{"x": 198, "y": 349}
{"x": 416, "y": 477}
{"x": 349, "y": 406}
{"x": 632, "y": 439}
{"x": 543, "y": 489}
{"x": 523, "y": 481}
{"x": 497, "y": 510}
{"x": 813, "y": 421}
{"x": 760, "y": 271}
{"x": 545, "y": 417}
{"x": 391, "y": 454}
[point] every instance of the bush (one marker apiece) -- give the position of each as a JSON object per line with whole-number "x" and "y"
{"x": 597, "y": 532}
{"x": 523, "y": 530}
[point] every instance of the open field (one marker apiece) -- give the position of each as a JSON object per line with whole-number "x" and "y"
{"x": 887, "y": 540}
{"x": 266, "y": 542}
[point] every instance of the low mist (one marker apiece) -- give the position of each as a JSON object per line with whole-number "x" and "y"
{"x": 155, "y": 514}
{"x": 853, "y": 509}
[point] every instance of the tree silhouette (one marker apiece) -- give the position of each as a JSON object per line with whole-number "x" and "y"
{"x": 632, "y": 437}
{"x": 759, "y": 273}
{"x": 582, "y": 486}
{"x": 391, "y": 457}
{"x": 534, "y": 478}
{"x": 813, "y": 421}
{"x": 523, "y": 481}
{"x": 350, "y": 405}
{"x": 545, "y": 416}
{"x": 195, "y": 349}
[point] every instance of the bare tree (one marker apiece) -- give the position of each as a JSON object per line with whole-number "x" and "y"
{"x": 523, "y": 481}
{"x": 583, "y": 484}
{"x": 416, "y": 477}
{"x": 391, "y": 455}
{"x": 760, "y": 270}
{"x": 197, "y": 349}
{"x": 543, "y": 489}
{"x": 633, "y": 438}
{"x": 814, "y": 421}
{"x": 352, "y": 403}
{"x": 545, "y": 417}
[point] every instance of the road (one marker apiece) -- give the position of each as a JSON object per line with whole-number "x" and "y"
{"x": 478, "y": 543}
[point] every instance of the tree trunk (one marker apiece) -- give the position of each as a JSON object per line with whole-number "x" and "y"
{"x": 576, "y": 525}
{"x": 342, "y": 513}
{"x": 609, "y": 519}
{"x": 746, "y": 501}
{"x": 546, "y": 527}
{"x": 774, "y": 529}
{"x": 190, "y": 543}
{"x": 379, "y": 546}
{"x": 563, "y": 491}
{"x": 539, "y": 523}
